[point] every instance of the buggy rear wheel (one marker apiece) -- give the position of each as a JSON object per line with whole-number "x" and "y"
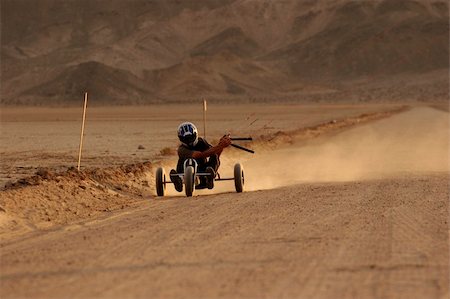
{"x": 239, "y": 177}
{"x": 160, "y": 181}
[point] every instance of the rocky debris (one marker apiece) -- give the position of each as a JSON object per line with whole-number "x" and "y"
{"x": 24, "y": 182}
{"x": 41, "y": 175}
{"x": 44, "y": 173}
{"x": 96, "y": 176}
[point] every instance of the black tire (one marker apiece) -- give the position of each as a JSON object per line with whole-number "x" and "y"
{"x": 160, "y": 181}
{"x": 239, "y": 179}
{"x": 189, "y": 181}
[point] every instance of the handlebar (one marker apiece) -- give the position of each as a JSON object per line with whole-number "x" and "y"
{"x": 242, "y": 148}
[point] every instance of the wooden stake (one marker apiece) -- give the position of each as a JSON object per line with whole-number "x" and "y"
{"x": 204, "y": 119}
{"x": 82, "y": 130}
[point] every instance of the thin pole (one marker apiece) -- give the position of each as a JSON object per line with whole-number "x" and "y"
{"x": 204, "y": 119}
{"x": 82, "y": 129}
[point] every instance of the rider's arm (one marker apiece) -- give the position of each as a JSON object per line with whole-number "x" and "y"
{"x": 214, "y": 150}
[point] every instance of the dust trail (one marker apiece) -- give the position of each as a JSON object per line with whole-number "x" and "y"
{"x": 411, "y": 142}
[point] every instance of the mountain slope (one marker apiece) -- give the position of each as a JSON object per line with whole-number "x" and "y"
{"x": 367, "y": 39}
{"x": 178, "y": 50}
{"x": 105, "y": 85}
{"x": 231, "y": 40}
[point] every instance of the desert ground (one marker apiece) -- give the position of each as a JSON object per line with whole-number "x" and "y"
{"x": 341, "y": 201}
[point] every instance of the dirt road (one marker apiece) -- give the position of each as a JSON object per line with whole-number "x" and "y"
{"x": 372, "y": 239}
{"x": 360, "y": 214}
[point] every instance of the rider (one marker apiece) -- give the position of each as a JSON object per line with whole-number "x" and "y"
{"x": 199, "y": 149}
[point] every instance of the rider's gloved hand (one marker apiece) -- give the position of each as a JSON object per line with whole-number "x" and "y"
{"x": 225, "y": 141}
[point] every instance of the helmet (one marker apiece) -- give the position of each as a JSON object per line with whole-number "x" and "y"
{"x": 187, "y": 133}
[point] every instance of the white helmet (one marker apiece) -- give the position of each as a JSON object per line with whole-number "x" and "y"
{"x": 187, "y": 133}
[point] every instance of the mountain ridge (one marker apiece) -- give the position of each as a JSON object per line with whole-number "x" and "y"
{"x": 141, "y": 52}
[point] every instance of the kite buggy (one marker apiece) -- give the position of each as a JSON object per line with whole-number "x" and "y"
{"x": 198, "y": 163}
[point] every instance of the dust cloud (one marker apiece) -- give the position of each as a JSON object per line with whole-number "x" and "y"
{"x": 412, "y": 142}
{"x": 416, "y": 141}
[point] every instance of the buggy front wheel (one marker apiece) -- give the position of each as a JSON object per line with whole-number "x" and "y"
{"x": 189, "y": 180}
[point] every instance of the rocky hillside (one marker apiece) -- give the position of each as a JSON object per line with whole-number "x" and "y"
{"x": 139, "y": 51}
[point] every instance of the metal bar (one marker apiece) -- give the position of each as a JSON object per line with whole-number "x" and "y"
{"x": 242, "y": 138}
{"x": 242, "y": 148}
{"x": 225, "y": 179}
{"x": 197, "y": 174}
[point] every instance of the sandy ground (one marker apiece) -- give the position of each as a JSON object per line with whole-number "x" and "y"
{"x": 351, "y": 208}
{"x": 371, "y": 239}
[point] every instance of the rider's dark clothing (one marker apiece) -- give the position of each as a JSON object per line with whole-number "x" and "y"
{"x": 185, "y": 152}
